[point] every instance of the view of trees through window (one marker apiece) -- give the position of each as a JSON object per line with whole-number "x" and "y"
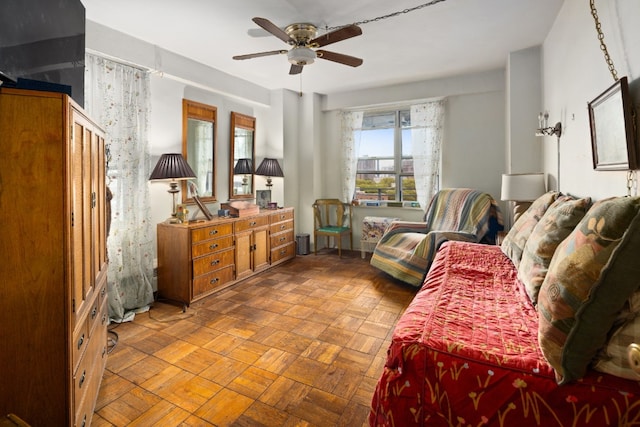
{"x": 385, "y": 163}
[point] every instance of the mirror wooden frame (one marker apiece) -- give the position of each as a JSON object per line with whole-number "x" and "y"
{"x": 613, "y": 136}
{"x": 247, "y": 123}
{"x": 192, "y": 110}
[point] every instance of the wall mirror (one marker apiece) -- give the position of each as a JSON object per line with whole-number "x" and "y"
{"x": 198, "y": 148}
{"x": 243, "y": 129}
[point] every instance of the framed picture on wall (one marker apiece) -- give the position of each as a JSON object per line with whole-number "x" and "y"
{"x": 613, "y": 141}
{"x": 263, "y": 198}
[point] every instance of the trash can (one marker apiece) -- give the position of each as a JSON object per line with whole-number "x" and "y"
{"x": 302, "y": 244}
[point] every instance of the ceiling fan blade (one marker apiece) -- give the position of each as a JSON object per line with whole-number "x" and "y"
{"x": 336, "y": 36}
{"x": 339, "y": 57}
{"x": 273, "y": 29}
{"x": 259, "y": 54}
{"x": 295, "y": 69}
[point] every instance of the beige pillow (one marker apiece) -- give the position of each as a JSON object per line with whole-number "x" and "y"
{"x": 554, "y": 226}
{"x": 515, "y": 240}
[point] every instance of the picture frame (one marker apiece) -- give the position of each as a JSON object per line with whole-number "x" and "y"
{"x": 613, "y": 140}
{"x": 202, "y": 208}
{"x": 263, "y": 198}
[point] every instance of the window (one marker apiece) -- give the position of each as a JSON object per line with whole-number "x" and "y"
{"x": 385, "y": 162}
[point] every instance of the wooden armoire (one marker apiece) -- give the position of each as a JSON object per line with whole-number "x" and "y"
{"x": 53, "y": 259}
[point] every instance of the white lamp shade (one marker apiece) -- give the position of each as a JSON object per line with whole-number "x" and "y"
{"x": 522, "y": 187}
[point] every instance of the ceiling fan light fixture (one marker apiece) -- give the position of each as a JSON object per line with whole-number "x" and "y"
{"x": 301, "y": 55}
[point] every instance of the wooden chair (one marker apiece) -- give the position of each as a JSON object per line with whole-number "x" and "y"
{"x": 332, "y": 218}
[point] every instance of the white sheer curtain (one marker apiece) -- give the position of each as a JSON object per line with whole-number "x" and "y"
{"x": 426, "y": 137}
{"x": 351, "y": 133}
{"x": 117, "y": 97}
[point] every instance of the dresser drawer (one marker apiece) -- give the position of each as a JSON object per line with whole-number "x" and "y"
{"x": 212, "y": 262}
{"x": 280, "y": 239}
{"x": 86, "y": 379}
{"x": 282, "y": 253}
{"x": 281, "y": 216}
{"x": 251, "y": 223}
{"x": 211, "y": 281}
{"x": 213, "y": 245}
{"x": 79, "y": 342}
{"x": 281, "y": 226}
{"x": 210, "y": 232}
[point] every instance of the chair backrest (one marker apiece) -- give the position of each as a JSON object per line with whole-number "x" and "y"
{"x": 331, "y": 212}
{"x": 461, "y": 209}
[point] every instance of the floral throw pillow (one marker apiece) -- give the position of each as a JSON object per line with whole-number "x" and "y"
{"x": 592, "y": 274}
{"x": 554, "y": 226}
{"x": 515, "y": 240}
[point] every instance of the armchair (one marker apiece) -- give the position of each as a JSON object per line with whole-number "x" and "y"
{"x": 406, "y": 249}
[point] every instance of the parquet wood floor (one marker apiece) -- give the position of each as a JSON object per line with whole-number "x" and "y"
{"x": 302, "y": 344}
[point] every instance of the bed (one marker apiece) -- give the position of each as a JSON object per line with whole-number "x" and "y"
{"x": 477, "y": 345}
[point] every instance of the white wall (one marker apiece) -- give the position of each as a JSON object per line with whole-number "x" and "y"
{"x": 304, "y": 131}
{"x": 574, "y": 73}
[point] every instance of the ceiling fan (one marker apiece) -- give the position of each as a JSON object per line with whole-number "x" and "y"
{"x": 303, "y": 37}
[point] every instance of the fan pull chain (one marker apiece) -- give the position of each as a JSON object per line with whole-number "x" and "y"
{"x": 390, "y": 15}
{"x": 603, "y": 46}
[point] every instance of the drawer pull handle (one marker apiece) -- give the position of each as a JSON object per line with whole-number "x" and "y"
{"x": 84, "y": 373}
{"x": 212, "y": 232}
{"x": 213, "y": 246}
{"x": 283, "y": 252}
{"x": 215, "y": 262}
{"x": 214, "y": 281}
{"x": 282, "y": 227}
{"x": 94, "y": 312}
{"x": 104, "y": 291}
{"x": 253, "y": 223}
{"x": 104, "y": 319}
{"x": 282, "y": 216}
{"x": 282, "y": 239}
{"x": 80, "y": 341}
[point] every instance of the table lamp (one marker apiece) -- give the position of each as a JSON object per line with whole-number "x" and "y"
{"x": 174, "y": 167}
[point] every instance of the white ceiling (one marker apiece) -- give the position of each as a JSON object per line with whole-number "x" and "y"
{"x": 448, "y": 38}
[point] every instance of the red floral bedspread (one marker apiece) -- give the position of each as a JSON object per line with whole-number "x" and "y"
{"x": 465, "y": 353}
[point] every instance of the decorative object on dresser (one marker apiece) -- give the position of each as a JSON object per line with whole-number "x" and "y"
{"x": 263, "y": 198}
{"x": 522, "y": 188}
{"x": 198, "y": 259}
{"x": 174, "y": 167}
{"x": 53, "y": 303}
{"x": 240, "y": 209}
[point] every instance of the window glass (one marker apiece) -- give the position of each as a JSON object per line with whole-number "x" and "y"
{"x": 385, "y": 158}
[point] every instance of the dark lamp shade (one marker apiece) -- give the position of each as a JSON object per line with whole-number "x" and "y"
{"x": 172, "y": 166}
{"x": 269, "y": 167}
{"x": 243, "y": 166}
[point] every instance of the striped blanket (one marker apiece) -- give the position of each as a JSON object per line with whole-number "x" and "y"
{"x": 406, "y": 250}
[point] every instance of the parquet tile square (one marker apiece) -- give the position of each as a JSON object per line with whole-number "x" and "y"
{"x": 302, "y": 344}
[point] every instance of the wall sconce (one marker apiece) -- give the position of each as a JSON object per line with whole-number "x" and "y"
{"x": 543, "y": 126}
{"x": 522, "y": 188}
{"x": 269, "y": 168}
{"x": 172, "y": 167}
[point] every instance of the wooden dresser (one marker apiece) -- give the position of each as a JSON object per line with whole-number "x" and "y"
{"x": 200, "y": 258}
{"x": 53, "y": 297}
